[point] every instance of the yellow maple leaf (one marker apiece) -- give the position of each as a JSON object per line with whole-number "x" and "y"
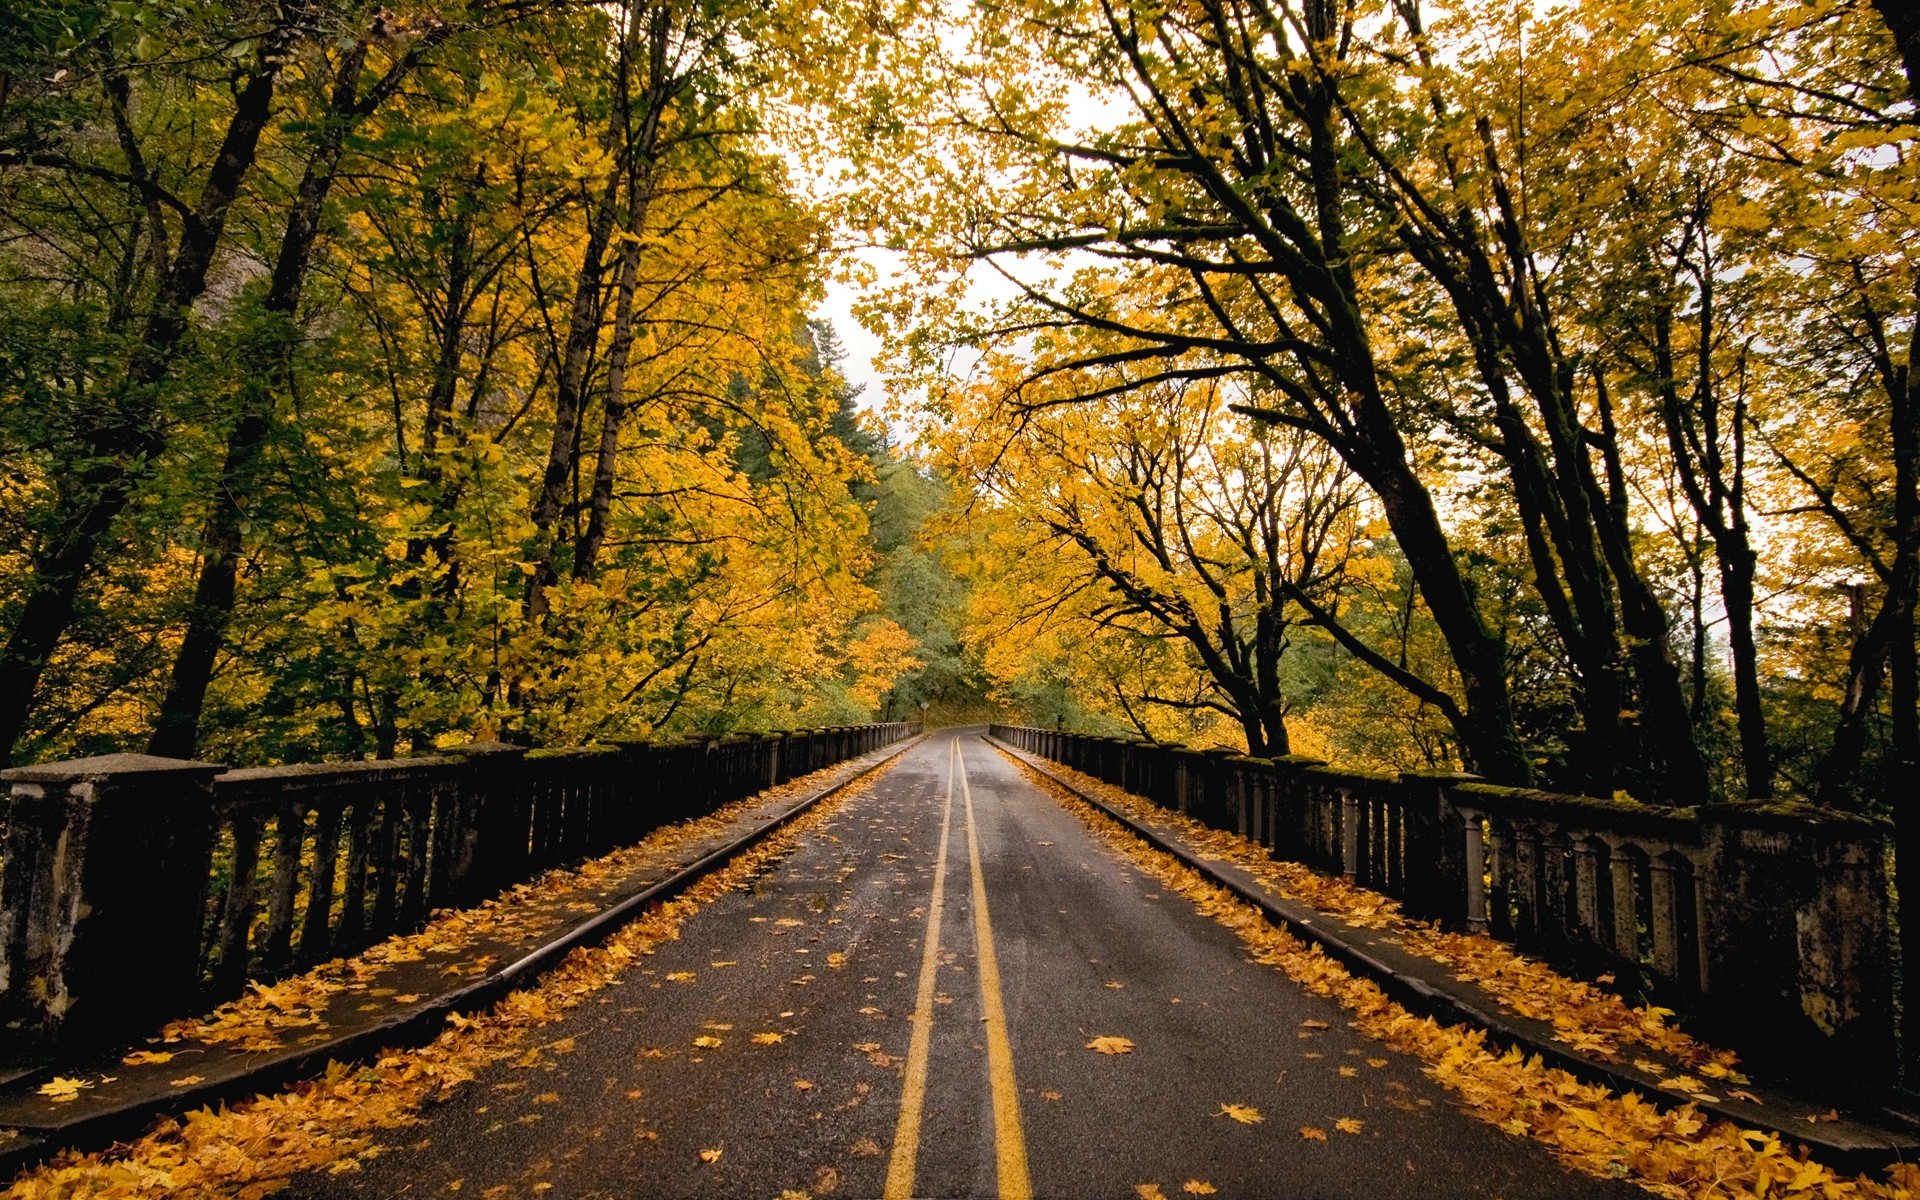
{"x": 679, "y": 976}
{"x": 188, "y": 1081}
{"x": 767, "y": 1039}
{"x": 1349, "y": 1072}
{"x": 805, "y": 1085}
{"x": 706, "y": 1041}
{"x": 1312, "y": 1134}
{"x": 836, "y": 960}
{"x": 1198, "y": 1187}
{"x": 1349, "y": 1125}
{"x": 710, "y": 1156}
{"x": 1149, "y": 1191}
{"x": 1246, "y": 1114}
{"x": 141, "y": 1058}
{"x": 61, "y": 1089}
{"x": 1108, "y": 1044}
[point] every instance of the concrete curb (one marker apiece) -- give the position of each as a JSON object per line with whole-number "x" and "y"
{"x": 413, "y": 1027}
{"x": 1872, "y": 1148}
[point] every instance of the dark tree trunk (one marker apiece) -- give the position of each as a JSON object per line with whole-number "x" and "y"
{"x": 124, "y": 442}
{"x": 176, "y": 730}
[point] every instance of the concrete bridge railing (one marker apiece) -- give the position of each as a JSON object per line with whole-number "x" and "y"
{"x": 1768, "y": 925}
{"x": 134, "y": 889}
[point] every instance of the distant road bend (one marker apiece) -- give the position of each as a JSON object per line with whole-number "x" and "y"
{"x": 904, "y": 1007}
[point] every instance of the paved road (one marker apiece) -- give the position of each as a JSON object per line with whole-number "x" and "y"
{"x": 1044, "y": 941}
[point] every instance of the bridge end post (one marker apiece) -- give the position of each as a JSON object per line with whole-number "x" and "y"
{"x": 1438, "y": 885}
{"x": 102, "y": 898}
{"x": 492, "y": 848}
{"x": 1795, "y": 946}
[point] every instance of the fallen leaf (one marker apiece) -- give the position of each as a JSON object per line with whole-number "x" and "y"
{"x": 1108, "y": 1044}
{"x": 710, "y": 1156}
{"x": 141, "y": 1058}
{"x": 723, "y": 963}
{"x": 1198, "y": 1187}
{"x": 1376, "y": 1062}
{"x": 864, "y": 1148}
{"x": 1349, "y": 1125}
{"x": 1149, "y": 1191}
{"x": 1313, "y": 1135}
{"x": 1049, "y": 1094}
{"x": 187, "y": 1081}
{"x": 1313, "y": 1024}
{"x": 61, "y": 1089}
{"x": 706, "y": 1042}
{"x": 1349, "y": 1072}
{"x": 1246, "y": 1114}
{"x": 1749, "y": 1097}
{"x": 718, "y": 1027}
{"x": 805, "y": 1085}
{"x": 679, "y": 977}
{"x": 767, "y": 1039}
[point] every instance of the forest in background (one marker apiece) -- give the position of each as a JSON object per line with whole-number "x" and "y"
{"x": 1519, "y": 389}
{"x": 373, "y": 378}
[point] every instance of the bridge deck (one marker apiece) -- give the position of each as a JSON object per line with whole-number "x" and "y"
{"x": 1073, "y": 944}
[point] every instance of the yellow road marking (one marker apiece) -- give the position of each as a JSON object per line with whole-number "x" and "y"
{"x": 1010, "y": 1144}
{"x": 913, "y": 1097}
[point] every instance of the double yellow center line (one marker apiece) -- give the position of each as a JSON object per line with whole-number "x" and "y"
{"x": 1010, "y": 1144}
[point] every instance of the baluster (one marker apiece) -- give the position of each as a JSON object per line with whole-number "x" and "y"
{"x": 386, "y": 854}
{"x": 1349, "y": 817}
{"x": 1393, "y": 850}
{"x": 1526, "y": 885}
{"x": 1500, "y": 869}
{"x": 1588, "y": 855}
{"x": 1626, "y": 903}
{"x": 353, "y": 898}
{"x": 289, "y": 833}
{"x": 316, "y": 932}
{"x": 1556, "y": 884}
{"x": 1476, "y": 871}
{"x": 419, "y": 817}
{"x": 451, "y": 814}
{"x": 236, "y": 921}
{"x": 1661, "y": 886}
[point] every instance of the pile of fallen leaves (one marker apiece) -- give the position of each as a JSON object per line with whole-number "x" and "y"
{"x": 254, "y": 1148}
{"x": 1675, "y": 1153}
{"x": 1583, "y": 1015}
{"x": 258, "y": 1020}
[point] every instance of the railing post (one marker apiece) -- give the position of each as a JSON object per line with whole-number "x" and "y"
{"x": 492, "y": 851}
{"x": 102, "y": 897}
{"x": 1797, "y": 940}
{"x": 1439, "y": 878}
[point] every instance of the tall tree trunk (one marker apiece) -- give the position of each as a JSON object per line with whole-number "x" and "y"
{"x": 176, "y": 731}
{"x": 124, "y": 442}
{"x": 613, "y": 418}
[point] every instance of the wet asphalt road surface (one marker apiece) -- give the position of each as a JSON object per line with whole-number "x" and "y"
{"x": 828, "y": 951}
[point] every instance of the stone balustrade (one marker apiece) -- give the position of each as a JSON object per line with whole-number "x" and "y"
{"x": 134, "y": 889}
{"x": 1767, "y": 927}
